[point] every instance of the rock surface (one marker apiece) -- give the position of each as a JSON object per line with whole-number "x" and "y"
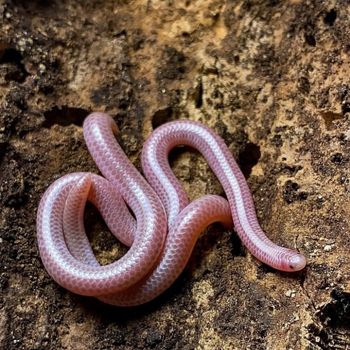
{"x": 270, "y": 76}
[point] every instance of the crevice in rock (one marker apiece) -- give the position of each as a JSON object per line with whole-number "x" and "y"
{"x": 16, "y": 70}
{"x": 336, "y": 314}
{"x": 309, "y": 34}
{"x": 198, "y": 95}
{"x": 237, "y": 246}
{"x": 333, "y": 330}
{"x": 162, "y": 116}
{"x": 291, "y": 192}
{"x": 65, "y": 116}
{"x": 330, "y": 17}
{"x": 248, "y": 158}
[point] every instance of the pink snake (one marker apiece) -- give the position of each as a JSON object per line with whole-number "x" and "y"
{"x": 164, "y": 231}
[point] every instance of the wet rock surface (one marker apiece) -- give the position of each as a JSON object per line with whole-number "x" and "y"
{"x": 271, "y": 77}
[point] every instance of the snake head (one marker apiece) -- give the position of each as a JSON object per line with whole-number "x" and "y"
{"x": 296, "y": 262}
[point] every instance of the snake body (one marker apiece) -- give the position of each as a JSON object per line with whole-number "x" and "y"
{"x": 165, "y": 226}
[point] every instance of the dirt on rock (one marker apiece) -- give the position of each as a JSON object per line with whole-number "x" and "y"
{"x": 270, "y": 76}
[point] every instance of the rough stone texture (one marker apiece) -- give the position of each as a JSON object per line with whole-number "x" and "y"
{"x": 270, "y": 76}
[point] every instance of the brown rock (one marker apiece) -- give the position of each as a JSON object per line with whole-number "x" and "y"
{"x": 271, "y": 77}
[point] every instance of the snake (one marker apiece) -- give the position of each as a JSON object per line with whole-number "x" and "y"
{"x": 150, "y": 214}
